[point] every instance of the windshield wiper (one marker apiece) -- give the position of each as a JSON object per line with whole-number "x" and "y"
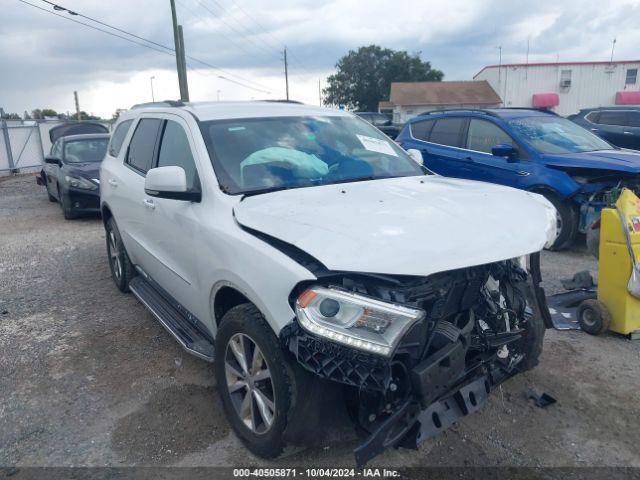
{"x": 260, "y": 191}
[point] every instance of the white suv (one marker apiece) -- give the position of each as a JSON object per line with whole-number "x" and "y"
{"x": 312, "y": 259}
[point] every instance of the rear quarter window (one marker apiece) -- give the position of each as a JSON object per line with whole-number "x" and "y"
{"x": 118, "y": 138}
{"x": 421, "y": 130}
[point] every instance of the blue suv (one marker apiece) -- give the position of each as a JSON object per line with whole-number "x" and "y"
{"x": 533, "y": 150}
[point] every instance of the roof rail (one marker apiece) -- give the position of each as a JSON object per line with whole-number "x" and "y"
{"x": 281, "y": 101}
{"x": 458, "y": 110}
{"x": 537, "y": 109}
{"x": 164, "y": 103}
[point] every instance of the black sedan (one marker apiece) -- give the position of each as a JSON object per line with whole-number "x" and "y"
{"x": 72, "y": 171}
{"x": 382, "y": 122}
{"x": 617, "y": 125}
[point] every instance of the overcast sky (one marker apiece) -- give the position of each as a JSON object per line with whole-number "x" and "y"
{"x": 44, "y": 58}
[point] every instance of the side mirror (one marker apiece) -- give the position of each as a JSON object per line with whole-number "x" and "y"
{"x": 416, "y": 156}
{"x": 504, "y": 150}
{"x": 52, "y": 160}
{"x": 169, "y": 182}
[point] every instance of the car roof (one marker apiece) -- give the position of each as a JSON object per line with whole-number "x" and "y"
{"x": 615, "y": 107}
{"x": 504, "y": 113}
{"x": 205, "y": 111}
{"x": 85, "y": 136}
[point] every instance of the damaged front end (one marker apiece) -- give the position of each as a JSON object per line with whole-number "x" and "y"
{"x": 599, "y": 189}
{"x": 414, "y": 354}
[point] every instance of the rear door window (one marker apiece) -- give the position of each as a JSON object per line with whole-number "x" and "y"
{"x": 175, "y": 151}
{"x": 422, "y": 130}
{"x": 633, "y": 119}
{"x": 482, "y": 136}
{"x": 447, "y": 131}
{"x": 612, "y": 117}
{"x": 142, "y": 146}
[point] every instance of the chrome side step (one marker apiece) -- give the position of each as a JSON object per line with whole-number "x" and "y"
{"x": 188, "y": 335}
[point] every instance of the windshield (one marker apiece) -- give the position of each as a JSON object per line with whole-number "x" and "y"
{"x": 264, "y": 154}
{"x": 551, "y": 134}
{"x": 85, "y": 151}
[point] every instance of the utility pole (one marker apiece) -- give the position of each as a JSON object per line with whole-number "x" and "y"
{"x": 75, "y": 96}
{"x": 153, "y": 98}
{"x": 319, "y": 93}
{"x": 180, "y": 63}
{"x": 286, "y": 72}
{"x": 613, "y": 46}
{"x": 183, "y": 62}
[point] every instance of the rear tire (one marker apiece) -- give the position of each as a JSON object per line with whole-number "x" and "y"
{"x": 567, "y": 218}
{"x": 122, "y": 270}
{"x": 244, "y": 396}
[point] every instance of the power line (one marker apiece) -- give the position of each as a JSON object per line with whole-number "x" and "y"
{"x": 227, "y": 38}
{"x": 264, "y": 29}
{"x": 166, "y": 50}
{"x": 234, "y": 29}
{"x": 96, "y": 28}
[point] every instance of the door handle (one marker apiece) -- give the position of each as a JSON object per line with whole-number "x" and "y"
{"x": 113, "y": 183}
{"x": 149, "y": 203}
{"x": 469, "y": 159}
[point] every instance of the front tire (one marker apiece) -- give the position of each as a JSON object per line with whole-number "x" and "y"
{"x": 253, "y": 379}
{"x": 122, "y": 270}
{"x": 67, "y": 211}
{"x": 567, "y": 222}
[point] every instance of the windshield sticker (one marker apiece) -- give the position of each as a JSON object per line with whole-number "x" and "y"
{"x": 236, "y": 129}
{"x": 376, "y": 145}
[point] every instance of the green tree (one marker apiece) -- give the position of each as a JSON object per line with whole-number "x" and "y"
{"x": 364, "y": 76}
{"x": 85, "y": 116}
{"x": 39, "y": 114}
{"x": 11, "y": 116}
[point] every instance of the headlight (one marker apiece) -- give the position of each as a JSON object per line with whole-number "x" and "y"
{"x": 77, "y": 182}
{"x": 354, "y": 320}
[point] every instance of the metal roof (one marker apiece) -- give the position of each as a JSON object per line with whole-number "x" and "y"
{"x": 444, "y": 93}
{"x": 551, "y": 64}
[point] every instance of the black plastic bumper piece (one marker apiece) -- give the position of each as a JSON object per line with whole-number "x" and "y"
{"x": 335, "y": 362}
{"x": 409, "y": 426}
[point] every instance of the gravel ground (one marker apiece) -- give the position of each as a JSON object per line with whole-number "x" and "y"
{"x": 88, "y": 377}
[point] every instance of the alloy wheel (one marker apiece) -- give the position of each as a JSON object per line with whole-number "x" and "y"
{"x": 114, "y": 255}
{"x": 589, "y": 317}
{"x": 249, "y": 383}
{"x": 559, "y": 223}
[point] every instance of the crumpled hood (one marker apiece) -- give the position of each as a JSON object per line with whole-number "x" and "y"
{"x": 404, "y": 226}
{"x": 622, "y": 160}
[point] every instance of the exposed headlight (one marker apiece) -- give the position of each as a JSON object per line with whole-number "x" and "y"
{"x": 355, "y": 320}
{"x": 77, "y": 182}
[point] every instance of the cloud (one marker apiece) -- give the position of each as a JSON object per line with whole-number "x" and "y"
{"x": 46, "y": 58}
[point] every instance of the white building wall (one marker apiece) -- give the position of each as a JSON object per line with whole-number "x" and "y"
{"x": 592, "y": 85}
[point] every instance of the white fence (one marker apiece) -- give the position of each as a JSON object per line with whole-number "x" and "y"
{"x": 24, "y": 144}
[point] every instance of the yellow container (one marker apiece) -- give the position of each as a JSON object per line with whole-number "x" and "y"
{"x": 614, "y": 268}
